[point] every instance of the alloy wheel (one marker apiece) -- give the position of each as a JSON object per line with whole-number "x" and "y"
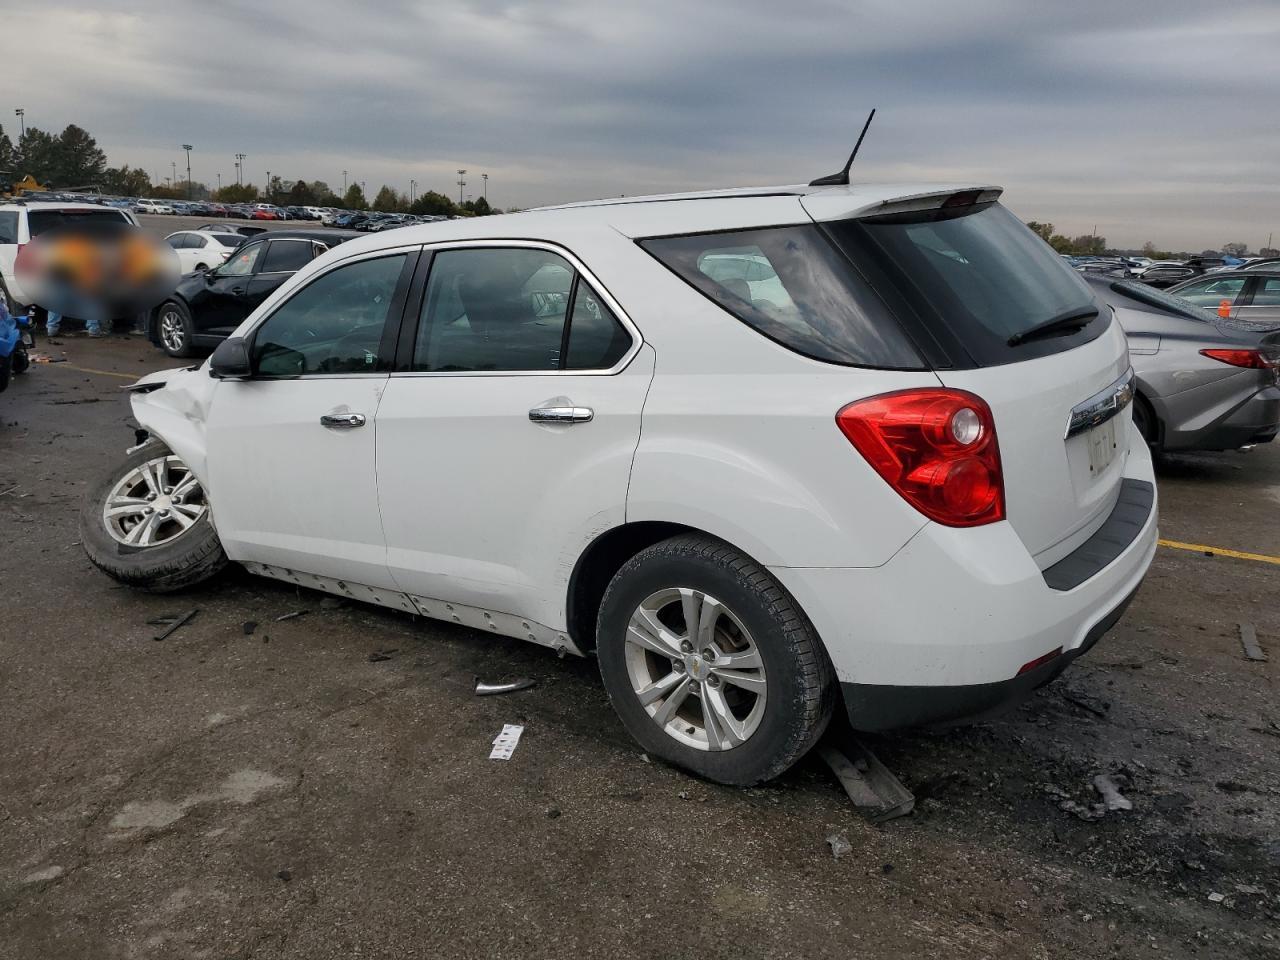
{"x": 172, "y": 331}
{"x": 154, "y": 503}
{"x": 695, "y": 669}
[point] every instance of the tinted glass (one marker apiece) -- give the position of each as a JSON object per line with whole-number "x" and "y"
{"x": 38, "y": 221}
{"x": 178, "y": 241}
{"x": 596, "y": 339}
{"x": 8, "y": 226}
{"x": 793, "y": 286}
{"x": 1151, "y": 296}
{"x": 973, "y": 278}
{"x": 227, "y": 239}
{"x": 332, "y": 325}
{"x": 286, "y": 256}
{"x": 242, "y": 262}
{"x": 1267, "y": 294}
{"x": 493, "y": 309}
{"x": 1210, "y": 291}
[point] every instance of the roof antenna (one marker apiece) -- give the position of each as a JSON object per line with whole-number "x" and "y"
{"x": 841, "y": 179}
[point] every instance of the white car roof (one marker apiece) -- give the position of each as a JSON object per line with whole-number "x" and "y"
{"x": 681, "y": 213}
{"x": 56, "y": 205}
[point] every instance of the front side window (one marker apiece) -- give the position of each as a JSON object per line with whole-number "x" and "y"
{"x": 287, "y": 256}
{"x": 8, "y": 227}
{"x": 513, "y": 309}
{"x": 242, "y": 264}
{"x": 333, "y": 325}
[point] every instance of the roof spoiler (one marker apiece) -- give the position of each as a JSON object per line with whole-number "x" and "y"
{"x": 845, "y": 205}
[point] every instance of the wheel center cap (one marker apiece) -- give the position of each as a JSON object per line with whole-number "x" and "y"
{"x": 696, "y": 667}
{"x": 162, "y": 503}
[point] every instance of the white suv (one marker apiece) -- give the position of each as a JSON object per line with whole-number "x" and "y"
{"x": 21, "y": 220}
{"x": 156, "y": 207}
{"x": 762, "y": 452}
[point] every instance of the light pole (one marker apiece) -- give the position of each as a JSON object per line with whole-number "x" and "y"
{"x": 219, "y": 182}
{"x": 461, "y": 183}
{"x": 240, "y": 168}
{"x": 485, "y": 178}
{"x": 187, "y": 147}
{"x": 174, "y": 164}
{"x": 268, "y": 186}
{"x": 22, "y": 123}
{"x": 344, "y": 183}
{"x": 413, "y": 186}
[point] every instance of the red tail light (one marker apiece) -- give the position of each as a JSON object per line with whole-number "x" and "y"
{"x": 936, "y": 448}
{"x": 1254, "y": 359}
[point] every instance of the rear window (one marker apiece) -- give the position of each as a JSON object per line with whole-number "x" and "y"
{"x": 38, "y": 221}
{"x": 971, "y": 279}
{"x": 791, "y": 285}
{"x": 228, "y": 239}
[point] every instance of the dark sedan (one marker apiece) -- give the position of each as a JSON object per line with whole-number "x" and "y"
{"x": 208, "y": 305}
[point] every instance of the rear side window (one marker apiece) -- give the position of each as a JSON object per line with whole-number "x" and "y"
{"x": 286, "y": 256}
{"x": 793, "y": 286}
{"x": 973, "y": 279}
{"x": 8, "y": 226}
{"x": 38, "y": 221}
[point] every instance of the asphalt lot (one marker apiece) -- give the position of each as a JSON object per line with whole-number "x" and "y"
{"x": 165, "y": 225}
{"x": 282, "y": 795}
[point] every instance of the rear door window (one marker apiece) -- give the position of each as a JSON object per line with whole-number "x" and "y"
{"x": 286, "y": 256}
{"x": 1267, "y": 293}
{"x": 1211, "y": 291}
{"x": 8, "y": 226}
{"x": 974, "y": 280}
{"x": 791, "y": 285}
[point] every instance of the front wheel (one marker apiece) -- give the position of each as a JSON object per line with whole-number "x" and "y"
{"x": 710, "y": 664}
{"x": 146, "y": 523}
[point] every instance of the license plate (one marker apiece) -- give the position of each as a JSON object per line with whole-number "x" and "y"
{"x": 1102, "y": 446}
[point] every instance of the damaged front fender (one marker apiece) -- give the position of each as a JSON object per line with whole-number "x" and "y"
{"x": 173, "y": 405}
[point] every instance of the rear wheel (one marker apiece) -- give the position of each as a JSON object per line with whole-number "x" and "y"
{"x": 1144, "y": 418}
{"x": 710, "y": 664}
{"x": 174, "y": 325}
{"x": 146, "y": 523}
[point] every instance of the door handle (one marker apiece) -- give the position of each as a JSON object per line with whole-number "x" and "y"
{"x": 342, "y": 420}
{"x": 237, "y": 290}
{"x": 561, "y": 414}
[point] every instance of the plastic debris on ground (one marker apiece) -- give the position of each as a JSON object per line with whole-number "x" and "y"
{"x": 876, "y": 793}
{"x": 492, "y": 689}
{"x": 1112, "y": 798}
{"x": 504, "y": 745}
{"x": 174, "y": 623}
{"x": 839, "y": 846}
{"x": 1249, "y": 641}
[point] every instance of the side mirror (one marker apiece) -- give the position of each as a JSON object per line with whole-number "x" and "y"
{"x": 230, "y": 361}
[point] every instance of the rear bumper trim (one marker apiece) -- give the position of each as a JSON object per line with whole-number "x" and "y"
{"x": 877, "y": 707}
{"x": 1109, "y": 541}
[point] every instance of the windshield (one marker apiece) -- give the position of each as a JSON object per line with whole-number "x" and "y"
{"x": 974, "y": 279}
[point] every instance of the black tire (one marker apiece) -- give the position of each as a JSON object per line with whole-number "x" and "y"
{"x": 186, "y": 560}
{"x": 182, "y": 347}
{"x": 1144, "y": 418}
{"x": 20, "y": 360}
{"x": 6, "y": 365}
{"x": 801, "y": 687}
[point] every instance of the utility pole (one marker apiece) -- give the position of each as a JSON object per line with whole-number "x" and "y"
{"x": 344, "y": 183}
{"x": 174, "y": 164}
{"x": 22, "y": 122}
{"x": 187, "y": 147}
{"x": 485, "y": 178}
{"x": 240, "y": 168}
{"x": 268, "y": 194}
{"x": 461, "y": 183}
{"x": 413, "y": 186}
{"x": 219, "y": 181}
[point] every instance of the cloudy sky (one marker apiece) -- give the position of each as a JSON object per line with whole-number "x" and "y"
{"x": 1152, "y": 121}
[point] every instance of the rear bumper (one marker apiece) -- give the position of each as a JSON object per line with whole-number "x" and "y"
{"x": 1256, "y": 420}
{"x": 940, "y": 631}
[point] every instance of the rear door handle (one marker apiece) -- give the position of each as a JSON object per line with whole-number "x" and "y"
{"x": 561, "y": 414}
{"x": 343, "y": 420}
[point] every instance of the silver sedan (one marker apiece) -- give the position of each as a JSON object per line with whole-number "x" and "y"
{"x": 1203, "y": 382}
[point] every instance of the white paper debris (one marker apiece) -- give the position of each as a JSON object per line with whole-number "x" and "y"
{"x": 505, "y": 743}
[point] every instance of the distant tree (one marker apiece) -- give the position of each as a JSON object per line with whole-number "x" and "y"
{"x": 1149, "y": 250}
{"x": 301, "y": 195}
{"x": 324, "y": 195}
{"x": 1269, "y": 252}
{"x": 1235, "y": 249}
{"x": 1043, "y": 230}
{"x": 237, "y": 193}
{"x": 354, "y": 199}
{"x": 481, "y": 207}
{"x": 8, "y": 157}
{"x": 126, "y": 181}
{"x": 1061, "y": 244}
{"x": 1088, "y": 245}
{"x": 433, "y": 204}
{"x": 76, "y": 158}
{"x": 389, "y": 201}
{"x": 169, "y": 191}
{"x": 37, "y": 155}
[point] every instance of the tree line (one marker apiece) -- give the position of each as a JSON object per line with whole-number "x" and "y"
{"x": 72, "y": 160}
{"x": 1095, "y": 246}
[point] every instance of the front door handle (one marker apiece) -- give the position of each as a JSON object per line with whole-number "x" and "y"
{"x": 561, "y": 414}
{"x": 237, "y": 290}
{"x": 343, "y": 420}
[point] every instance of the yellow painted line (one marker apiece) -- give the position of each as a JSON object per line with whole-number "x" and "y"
{"x": 104, "y": 373}
{"x": 1219, "y": 551}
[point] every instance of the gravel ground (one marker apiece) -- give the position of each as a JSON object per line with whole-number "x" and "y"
{"x": 283, "y": 794}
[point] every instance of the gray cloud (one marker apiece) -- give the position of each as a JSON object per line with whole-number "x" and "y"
{"x": 1150, "y": 122}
